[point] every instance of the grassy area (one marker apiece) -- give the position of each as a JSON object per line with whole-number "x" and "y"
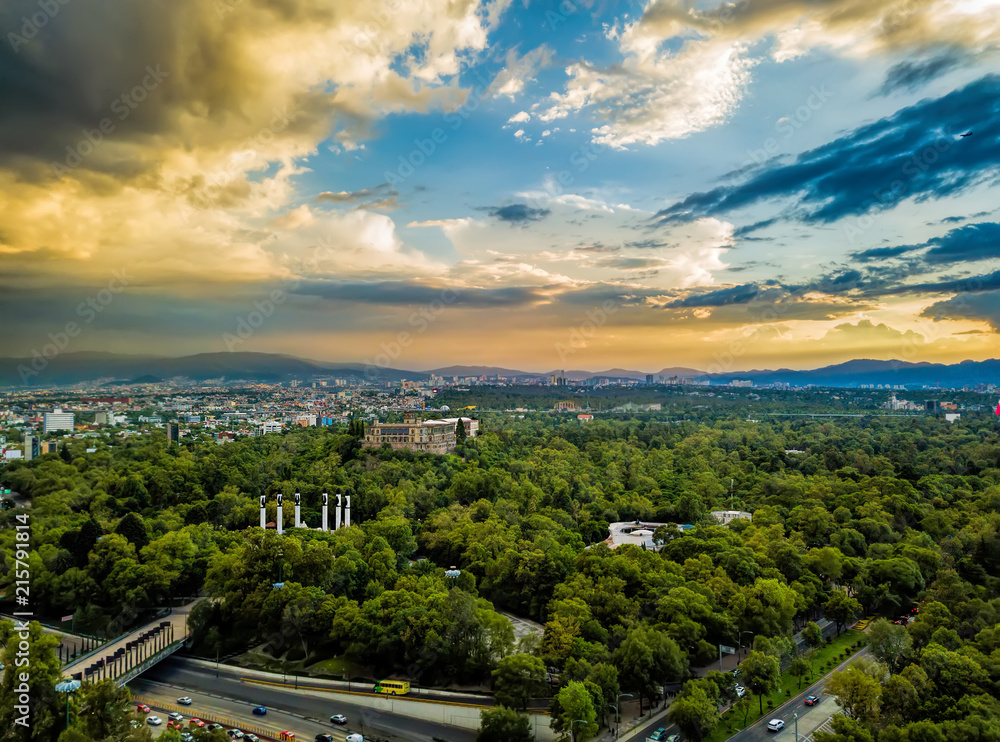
{"x": 337, "y": 668}
{"x": 822, "y": 660}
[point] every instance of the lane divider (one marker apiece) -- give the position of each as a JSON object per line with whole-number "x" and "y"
{"x": 321, "y": 689}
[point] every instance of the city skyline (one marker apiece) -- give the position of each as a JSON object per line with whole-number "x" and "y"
{"x": 591, "y": 186}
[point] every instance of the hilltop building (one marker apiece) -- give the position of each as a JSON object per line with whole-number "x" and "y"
{"x": 430, "y": 436}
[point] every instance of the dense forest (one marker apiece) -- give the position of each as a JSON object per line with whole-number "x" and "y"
{"x": 849, "y": 516}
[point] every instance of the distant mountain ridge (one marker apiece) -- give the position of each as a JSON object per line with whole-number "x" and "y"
{"x": 73, "y": 368}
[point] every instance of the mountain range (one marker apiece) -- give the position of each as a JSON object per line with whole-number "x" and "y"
{"x": 74, "y": 368}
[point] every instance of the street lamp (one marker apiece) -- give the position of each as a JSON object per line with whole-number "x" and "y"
{"x": 575, "y": 722}
{"x": 68, "y": 687}
{"x": 618, "y": 700}
{"x": 795, "y": 718}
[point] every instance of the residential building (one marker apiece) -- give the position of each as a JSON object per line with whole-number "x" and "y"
{"x": 58, "y": 420}
{"x": 50, "y": 447}
{"x": 725, "y": 517}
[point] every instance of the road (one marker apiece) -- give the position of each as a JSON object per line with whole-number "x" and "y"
{"x": 810, "y": 718}
{"x": 306, "y": 714}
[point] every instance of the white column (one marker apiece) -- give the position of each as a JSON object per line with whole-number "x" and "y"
{"x": 280, "y": 529}
{"x": 326, "y": 525}
{"x": 336, "y": 515}
{"x": 347, "y": 512}
{"x": 298, "y": 512}
{"x": 263, "y": 511}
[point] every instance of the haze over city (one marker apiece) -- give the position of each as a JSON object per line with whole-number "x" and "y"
{"x": 792, "y": 177}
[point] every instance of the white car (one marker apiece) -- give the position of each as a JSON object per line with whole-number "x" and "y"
{"x": 235, "y": 734}
{"x": 174, "y": 716}
{"x": 775, "y": 725}
{"x": 184, "y": 701}
{"x": 154, "y": 721}
{"x": 354, "y": 738}
{"x": 740, "y": 691}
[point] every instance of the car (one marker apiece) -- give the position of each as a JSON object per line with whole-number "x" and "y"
{"x": 213, "y": 726}
{"x": 674, "y": 738}
{"x": 175, "y": 716}
{"x": 659, "y": 734}
{"x": 324, "y": 738}
{"x": 260, "y": 710}
{"x": 187, "y": 737}
{"x": 736, "y": 672}
{"x": 172, "y": 724}
{"x": 775, "y": 725}
{"x": 184, "y": 701}
{"x": 740, "y": 691}
{"x": 192, "y": 722}
{"x": 154, "y": 721}
{"x": 251, "y": 738}
{"x": 354, "y": 738}
{"x": 142, "y": 708}
{"x": 812, "y": 700}
{"x": 235, "y": 734}
{"x": 338, "y": 719}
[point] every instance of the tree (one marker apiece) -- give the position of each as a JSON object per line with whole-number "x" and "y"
{"x": 460, "y": 432}
{"x": 38, "y": 682}
{"x": 799, "y": 668}
{"x": 646, "y": 660}
{"x": 844, "y": 730}
{"x": 572, "y": 703}
{"x": 889, "y": 642}
{"x": 762, "y": 673}
{"x": 812, "y": 634}
{"x": 517, "y": 679}
{"x": 104, "y": 710}
{"x": 694, "y": 711}
{"x": 841, "y": 609}
{"x": 133, "y": 529}
{"x": 857, "y": 693}
{"x": 501, "y": 724}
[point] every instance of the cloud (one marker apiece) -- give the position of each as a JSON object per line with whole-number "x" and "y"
{"x": 519, "y": 117}
{"x": 909, "y": 75}
{"x": 519, "y": 71}
{"x": 914, "y": 153}
{"x": 404, "y": 293}
{"x": 381, "y": 197}
{"x": 519, "y": 214}
{"x": 720, "y": 297}
{"x": 655, "y": 95}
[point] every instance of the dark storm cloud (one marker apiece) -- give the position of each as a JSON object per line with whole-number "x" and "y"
{"x": 881, "y": 253}
{"x": 916, "y": 153}
{"x": 969, "y": 243}
{"x": 910, "y": 75}
{"x": 982, "y": 307}
{"x": 971, "y": 284}
{"x": 518, "y": 213}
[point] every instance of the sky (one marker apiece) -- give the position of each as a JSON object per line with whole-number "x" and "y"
{"x": 536, "y": 185}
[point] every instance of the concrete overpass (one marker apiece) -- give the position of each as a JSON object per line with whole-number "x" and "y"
{"x": 130, "y": 655}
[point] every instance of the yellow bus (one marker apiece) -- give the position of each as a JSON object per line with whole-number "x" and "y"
{"x": 392, "y": 687}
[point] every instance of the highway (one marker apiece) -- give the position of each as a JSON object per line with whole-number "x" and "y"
{"x": 305, "y": 713}
{"x": 810, "y": 718}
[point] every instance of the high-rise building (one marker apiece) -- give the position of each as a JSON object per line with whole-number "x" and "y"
{"x": 58, "y": 420}
{"x": 649, "y": 379}
{"x": 32, "y": 447}
{"x": 173, "y": 433}
{"x": 50, "y": 447}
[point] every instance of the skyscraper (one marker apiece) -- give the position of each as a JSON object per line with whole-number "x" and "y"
{"x": 32, "y": 447}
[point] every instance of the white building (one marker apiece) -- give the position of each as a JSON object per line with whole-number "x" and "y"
{"x": 271, "y": 426}
{"x": 58, "y": 420}
{"x": 725, "y": 517}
